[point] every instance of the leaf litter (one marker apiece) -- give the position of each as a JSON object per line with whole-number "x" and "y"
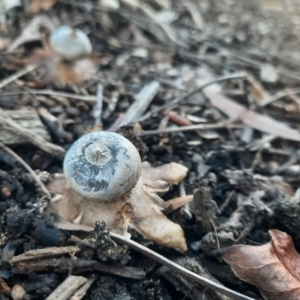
{"x": 274, "y": 267}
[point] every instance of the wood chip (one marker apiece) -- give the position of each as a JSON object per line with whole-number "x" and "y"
{"x": 67, "y": 288}
{"x": 27, "y": 118}
{"x": 45, "y": 252}
{"x": 8, "y": 124}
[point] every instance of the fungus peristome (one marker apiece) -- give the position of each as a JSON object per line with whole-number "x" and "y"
{"x": 89, "y": 192}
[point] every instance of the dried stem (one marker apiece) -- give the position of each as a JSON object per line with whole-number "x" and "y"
{"x": 173, "y": 103}
{"x": 63, "y": 224}
{"x": 177, "y": 268}
{"x": 27, "y": 167}
{"x": 87, "y": 98}
{"x": 221, "y": 125}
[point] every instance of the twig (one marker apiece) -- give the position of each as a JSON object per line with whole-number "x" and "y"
{"x": 67, "y": 289}
{"x": 97, "y": 112}
{"x": 82, "y": 291}
{"x": 185, "y": 210}
{"x": 216, "y": 234}
{"x": 22, "y": 72}
{"x": 278, "y": 96}
{"x": 78, "y": 266}
{"x": 53, "y": 93}
{"x": 192, "y": 127}
{"x": 27, "y": 167}
{"x": 226, "y": 202}
{"x": 182, "y": 202}
{"x": 177, "y": 268}
{"x": 191, "y": 93}
{"x": 45, "y": 252}
{"x": 17, "y": 75}
{"x": 65, "y": 225}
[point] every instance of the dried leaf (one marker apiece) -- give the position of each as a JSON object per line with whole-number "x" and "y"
{"x": 273, "y": 267}
{"x": 250, "y": 118}
{"x": 37, "y": 5}
{"x": 256, "y": 89}
{"x": 32, "y": 31}
{"x": 61, "y": 73}
{"x": 4, "y": 288}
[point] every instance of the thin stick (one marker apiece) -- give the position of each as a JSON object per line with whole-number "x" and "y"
{"x": 22, "y": 72}
{"x": 191, "y": 93}
{"x": 17, "y": 75}
{"x": 192, "y": 127}
{"x": 67, "y": 289}
{"x": 65, "y": 225}
{"x": 216, "y": 234}
{"x": 278, "y": 96}
{"x": 79, "y": 294}
{"x": 226, "y": 202}
{"x": 25, "y": 165}
{"x": 53, "y": 93}
{"x": 97, "y": 111}
{"x": 185, "y": 210}
{"x": 44, "y": 253}
{"x": 179, "y": 269}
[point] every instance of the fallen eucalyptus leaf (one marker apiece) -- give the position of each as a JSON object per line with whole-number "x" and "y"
{"x": 274, "y": 268}
{"x": 250, "y": 118}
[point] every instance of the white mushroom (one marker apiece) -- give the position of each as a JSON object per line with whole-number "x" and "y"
{"x": 70, "y": 43}
{"x": 106, "y": 181}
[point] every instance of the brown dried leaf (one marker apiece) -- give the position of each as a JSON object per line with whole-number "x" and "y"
{"x": 37, "y": 5}
{"x": 61, "y": 73}
{"x": 263, "y": 123}
{"x": 256, "y": 89}
{"x": 273, "y": 267}
{"x": 4, "y": 288}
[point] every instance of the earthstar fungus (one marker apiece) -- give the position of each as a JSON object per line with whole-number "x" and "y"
{"x": 70, "y": 43}
{"x": 105, "y": 180}
{"x": 73, "y": 61}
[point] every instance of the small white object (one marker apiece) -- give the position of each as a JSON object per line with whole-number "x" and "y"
{"x": 140, "y": 52}
{"x": 6, "y": 5}
{"x": 268, "y": 73}
{"x": 112, "y": 4}
{"x": 70, "y": 43}
{"x": 166, "y": 16}
{"x": 297, "y": 194}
